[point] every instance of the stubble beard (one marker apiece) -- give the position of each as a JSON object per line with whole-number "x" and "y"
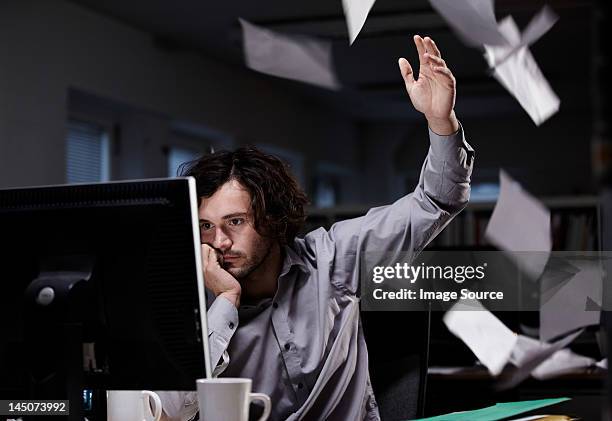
{"x": 261, "y": 252}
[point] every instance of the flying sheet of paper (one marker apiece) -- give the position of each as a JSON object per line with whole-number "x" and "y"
{"x": 506, "y": 50}
{"x": 495, "y": 345}
{"x": 473, "y": 20}
{"x": 528, "y": 354}
{"x": 486, "y": 336}
{"x": 539, "y": 25}
{"x": 520, "y": 223}
{"x": 516, "y": 69}
{"x": 561, "y": 362}
{"x": 291, "y": 57}
{"x": 559, "y": 271}
{"x": 564, "y": 302}
{"x": 356, "y": 13}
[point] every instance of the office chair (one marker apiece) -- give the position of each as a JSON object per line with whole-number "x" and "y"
{"x": 398, "y": 352}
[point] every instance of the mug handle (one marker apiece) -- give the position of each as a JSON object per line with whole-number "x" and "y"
{"x": 157, "y": 405}
{"x": 266, "y": 401}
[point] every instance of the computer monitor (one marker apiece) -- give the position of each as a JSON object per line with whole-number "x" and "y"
{"x": 101, "y": 288}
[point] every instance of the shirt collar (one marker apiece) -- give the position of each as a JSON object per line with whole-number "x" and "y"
{"x": 292, "y": 259}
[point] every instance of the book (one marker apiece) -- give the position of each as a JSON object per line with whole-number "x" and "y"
{"x": 499, "y": 411}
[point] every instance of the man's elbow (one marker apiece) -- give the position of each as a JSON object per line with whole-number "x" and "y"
{"x": 455, "y": 200}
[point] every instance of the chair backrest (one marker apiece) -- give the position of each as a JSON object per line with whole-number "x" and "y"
{"x": 398, "y": 352}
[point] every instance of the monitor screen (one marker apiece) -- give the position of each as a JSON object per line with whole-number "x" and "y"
{"x": 108, "y": 275}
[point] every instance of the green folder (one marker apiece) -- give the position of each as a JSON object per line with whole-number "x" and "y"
{"x": 499, "y": 411}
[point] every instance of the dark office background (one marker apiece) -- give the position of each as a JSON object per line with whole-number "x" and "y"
{"x": 118, "y": 89}
{"x": 163, "y": 80}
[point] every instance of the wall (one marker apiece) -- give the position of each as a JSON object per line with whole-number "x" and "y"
{"x": 552, "y": 159}
{"x": 48, "y": 48}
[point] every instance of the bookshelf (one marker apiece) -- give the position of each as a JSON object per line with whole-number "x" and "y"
{"x": 575, "y": 223}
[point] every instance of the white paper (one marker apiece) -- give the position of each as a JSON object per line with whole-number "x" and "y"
{"x": 297, "y": 58}
{"x": 544, "y": 360}
{"x": 528, "y": 354}
{"x": 506, "y": 50}
{"x": 495, "y": 345}
{"x": 564, "y": 303}
{"x": 516, "y": 69}
{"x": 561, "y": 362}
{"x": 356, "y": 13}
{"x": 539, "y": 25}
{"x": 473, "y": 20}
{"x": 486, "y": 336}
{"x": 520, "y": 223}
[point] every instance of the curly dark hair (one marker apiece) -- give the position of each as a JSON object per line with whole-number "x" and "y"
{"x": 277, "y": 201}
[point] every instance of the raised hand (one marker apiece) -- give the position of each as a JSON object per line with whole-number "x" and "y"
{"x": 433, "y": 93}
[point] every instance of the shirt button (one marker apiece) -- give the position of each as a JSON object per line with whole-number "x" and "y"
{"x": 275, "y": 304}
{"x": 231, "y": 325}
{"x": 300, "y": 385}
{"x": 287, "y": 346}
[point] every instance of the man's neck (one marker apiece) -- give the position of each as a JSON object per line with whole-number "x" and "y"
{"x": 263, "y": 281}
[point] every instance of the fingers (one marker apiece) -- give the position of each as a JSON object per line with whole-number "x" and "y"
{"x": 209, "y": 256}
{"x": 206, "y": 249}
{"x": 219, "y": 257}
{"x": 438, "y": 66}
{"x": 406, "y": 71}
{"x": 420, "y": 46}
{"x": 445, "y": 71}
{"x": 431, "y": 47}
{"x": 429, "y": 56}
{"x": 435, "y": 60}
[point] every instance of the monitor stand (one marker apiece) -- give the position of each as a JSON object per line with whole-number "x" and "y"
{"x": 56, "y": 313}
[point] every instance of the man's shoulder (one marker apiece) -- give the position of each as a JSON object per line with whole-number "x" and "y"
{"x": 308, "y": 246}
{"x": 309, "y": 242}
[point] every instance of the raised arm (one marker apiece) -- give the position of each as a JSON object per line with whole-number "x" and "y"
{"x": 410, "y": 223}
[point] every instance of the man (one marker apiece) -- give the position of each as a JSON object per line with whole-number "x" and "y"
{"x": 285, "y": 310}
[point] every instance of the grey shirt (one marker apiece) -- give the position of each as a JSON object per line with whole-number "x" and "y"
{"x": 305, "y": 346}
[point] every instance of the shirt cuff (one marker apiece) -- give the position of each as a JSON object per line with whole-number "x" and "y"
{"x": 445, "y": 146}
{"x": 222, "y": 318}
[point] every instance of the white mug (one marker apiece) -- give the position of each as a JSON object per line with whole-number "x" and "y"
{"x": 133, "y": 405}
{"x": 228, "y": 399}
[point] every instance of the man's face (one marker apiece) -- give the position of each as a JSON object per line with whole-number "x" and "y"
{"x": 226, "y": 223}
